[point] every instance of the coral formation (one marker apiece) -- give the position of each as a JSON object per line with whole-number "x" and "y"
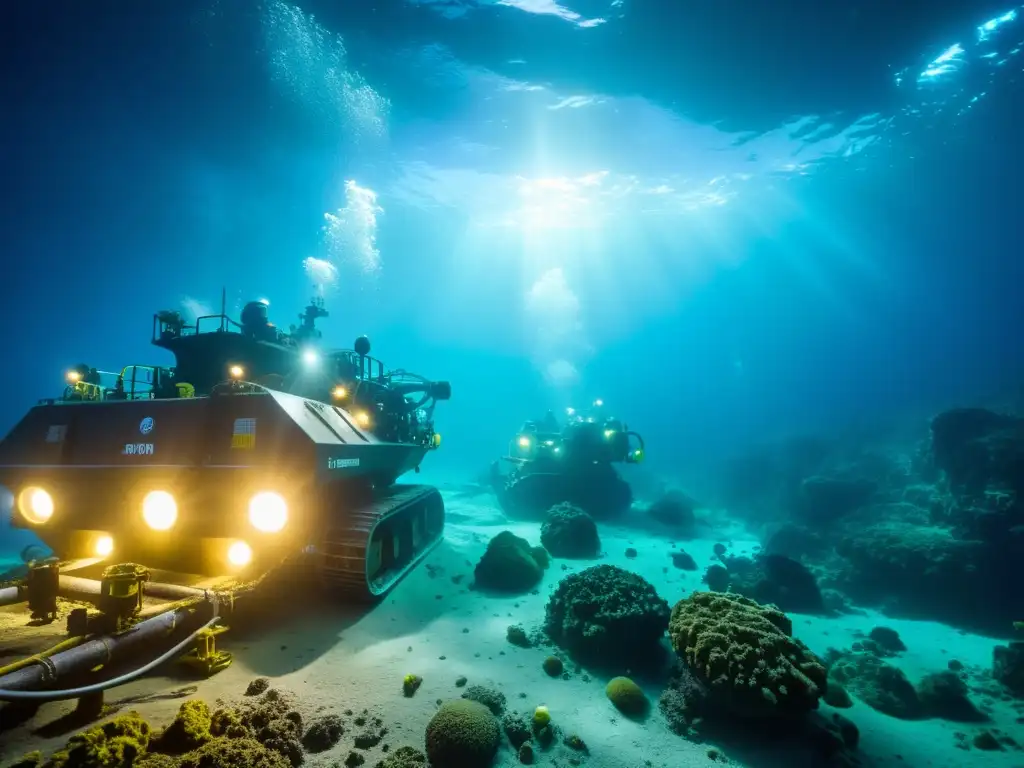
{"x": 690, "y": 711}
{"x": 517, "y": 728}
{"x": 510, "y": 564}
{"x": 746, "y": 655}
{"x": 683, "y": 699}
{"x": 404, "y": 757}
{"x": 920, "y": 528}
{"x": 516, "y": 635}
{"x": 235, "y": 753}
{"x": 260, "y": 734}
{"x": 117, "y": 742}
{"x": 626, "y": 696}
{"x": 570, "y": 532}
{"x": 607, "y": 615}
{"x": 189, "y": 730}
{"x": 323, "y": 733}
{"x": 553, "y": 666}
{"x": 463, "y": 733}
{"x": 410, "y": 684}
{"x": 257, "y": 686}
{"x": 492, "y": 699}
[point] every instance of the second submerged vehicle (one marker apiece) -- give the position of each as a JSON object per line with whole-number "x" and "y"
{"x": 554, "y": 463}
{"x": 257, "y": 447}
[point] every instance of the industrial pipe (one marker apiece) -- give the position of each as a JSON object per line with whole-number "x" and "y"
{"x": 11, "y": 595}
{"x": 98, "y": 652}
{"x": 82, "y": 586}
{"x": 127, "y": 677}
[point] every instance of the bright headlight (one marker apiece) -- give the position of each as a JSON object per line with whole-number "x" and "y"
{"x": 104, "y": 546}
{"x": 239, "y": 554}
{"x": 35, "y": 505}
{"x": 268, "y": 512}
{"x": 159, "y": 510}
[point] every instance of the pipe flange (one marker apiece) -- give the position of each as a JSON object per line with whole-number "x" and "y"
{"x": 49, "y": 668}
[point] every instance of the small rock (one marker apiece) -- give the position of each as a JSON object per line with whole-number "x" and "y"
{"x": 553, "y": 666}
{"x": 516, "y": 635}
{"x": 985, "y": 740}
{"x": 888, "y": 639}
{"x": 684, "y": 561}
{"x": 526, "y": 756}
{"x": 257, "y": 686}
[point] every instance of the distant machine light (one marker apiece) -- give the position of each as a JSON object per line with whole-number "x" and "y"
{"x": 549, "y": 442}
{"x": 524, "y": 442}
{"x": 236, "y": 371}
{"x": 35, "y": 505}
{"x": 268, "y": 512}
{"x": 239, "y": 554}
{"x": 609, "y": 432}
{"x": 340, "y": 393}
{"x": 598, "y": 403}
{"x": 73, "y": 377}
{"x": 159, "y": 510}
{"x": 104, "y": 546}
{"x": 363, "y": 418}
{"x": 570, "y": 411}
{"x": 309, "y": 357}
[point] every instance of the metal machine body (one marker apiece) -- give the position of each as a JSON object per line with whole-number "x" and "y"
{"x": 554, "y": 463}
{"x": 257, "y": 447}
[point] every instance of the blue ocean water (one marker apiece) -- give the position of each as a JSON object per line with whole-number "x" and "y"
{"x": 769, "y": 219}
{"x": 735, "y": 224}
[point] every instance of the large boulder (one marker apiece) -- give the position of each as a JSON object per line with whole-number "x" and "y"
{"x": 674, "y": 509}
{"x": 879, "y": 685}
{"x": 570, "y": 532}
{"x": 510, "y": 564}
{"x": 775, "y": 579}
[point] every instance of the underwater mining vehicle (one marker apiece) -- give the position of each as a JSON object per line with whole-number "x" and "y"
{"x": 258, "y": 447}
{"x": 552, "y": 464}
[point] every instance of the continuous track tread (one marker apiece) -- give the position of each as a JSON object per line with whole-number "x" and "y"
{"x": 342, "y": 557}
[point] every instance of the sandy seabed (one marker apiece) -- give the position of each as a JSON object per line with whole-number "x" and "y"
{"x": 434, "y": 625}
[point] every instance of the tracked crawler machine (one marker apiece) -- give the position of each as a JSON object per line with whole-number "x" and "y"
{"x": 257, "y": 448}
{"x": 554, "y": 463}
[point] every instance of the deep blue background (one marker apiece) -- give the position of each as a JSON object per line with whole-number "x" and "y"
{"x": 110, "y": 112}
